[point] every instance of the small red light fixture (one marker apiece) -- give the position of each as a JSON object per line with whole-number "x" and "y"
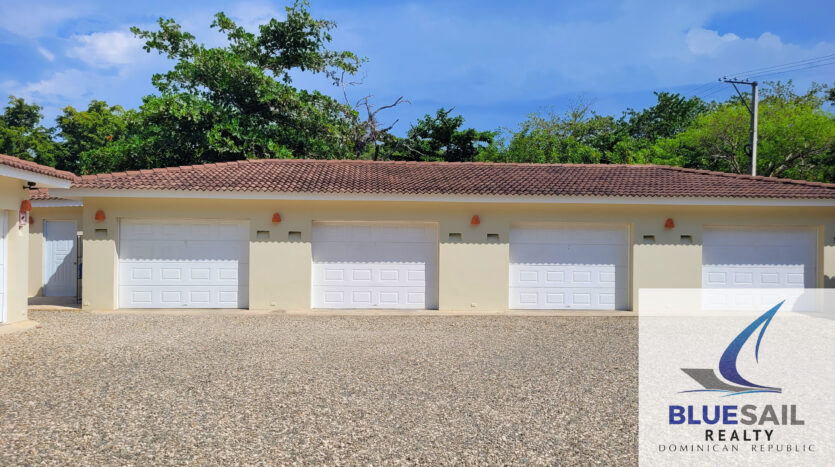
{"x": 25, "y": 206}
{"x": 276, "y": 218}
{"x": 100, "y": 215}
{"x": 475, "y": 220}
{"x": 669, "y": 224}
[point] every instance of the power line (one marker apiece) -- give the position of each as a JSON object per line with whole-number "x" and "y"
{"x": 712, "y": 87}
{"x": 818, "y": 65}
{"x": 789, "y": 64}
{"x": 706, "y": 86}
{"x": 711, "y": 93}
{"x": 717, "y": 87}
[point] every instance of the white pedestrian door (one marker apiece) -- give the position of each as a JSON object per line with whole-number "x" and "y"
{"x": 375, "y": 265}
{"x": 583, "y": 267}
{"x": 183, "y": 264}
{"x": 60, "y": 258}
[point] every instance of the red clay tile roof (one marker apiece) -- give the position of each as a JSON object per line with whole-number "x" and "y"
{"x": 17, "y": 163}
{"x": 445, "y": 178}
{"x": 41, "y": 194}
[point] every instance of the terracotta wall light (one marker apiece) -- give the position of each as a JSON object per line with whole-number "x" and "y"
{"x": 669, "y": 224}
{"x": 475, "y": 220}
{"x": 100, "y": 215}
{"x": 276, "y": 218}
{"x": 25, "y": 206}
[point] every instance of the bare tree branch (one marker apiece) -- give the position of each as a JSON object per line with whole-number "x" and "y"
{"x": 369, "y": 131}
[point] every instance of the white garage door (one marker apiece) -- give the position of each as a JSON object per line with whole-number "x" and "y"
{"x": 375, "y": 265}
{"x": 183, "y": 264}
{"x": 758, "y": 258}
{"x": 569, "y": 267}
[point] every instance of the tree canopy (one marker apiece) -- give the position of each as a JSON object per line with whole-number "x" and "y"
{"x": 237, "y": 100}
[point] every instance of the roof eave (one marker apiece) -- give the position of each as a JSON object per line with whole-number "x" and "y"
{"x": 42, "y": 180}
{"x": 79, "y": 193}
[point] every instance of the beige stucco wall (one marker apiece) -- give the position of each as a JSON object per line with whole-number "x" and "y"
{"x": 473, "y": 274}
{"x": 17, "y": 237}
{"x": 36, "y": 240}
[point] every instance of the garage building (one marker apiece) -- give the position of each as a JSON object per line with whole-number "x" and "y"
{"x": 302, "y": 234}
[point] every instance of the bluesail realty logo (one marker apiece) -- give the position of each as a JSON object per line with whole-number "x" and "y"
{"x": 723, "y": 420}
{"x": 735, "y": 383}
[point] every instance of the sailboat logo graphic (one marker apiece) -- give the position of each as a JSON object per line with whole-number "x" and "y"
{"x": 734, "y": 383}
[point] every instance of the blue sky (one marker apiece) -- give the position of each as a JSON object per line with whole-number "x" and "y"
{"x": 495, "y": 61}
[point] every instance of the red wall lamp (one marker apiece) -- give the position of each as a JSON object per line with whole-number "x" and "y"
{"x": 276, "y": 218}
{"x": 23, "y": 215}
{"x": 669, "y": 224}
{"x": 100, "y": 215}
{"x": 475, "y": 220}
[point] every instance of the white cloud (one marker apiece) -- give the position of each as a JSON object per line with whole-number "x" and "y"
{"x": 61, "y": 85}
{"x": 77, "y": 87}
{"x": 704, "y": 41}
{"x": 769, "y": 40}
{"x": 107, "y": 49}
{"x": 35, "y": 19}
{"x": 46, "y": 53}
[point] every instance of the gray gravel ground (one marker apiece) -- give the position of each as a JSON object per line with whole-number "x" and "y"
{"x": 129, "y": 389}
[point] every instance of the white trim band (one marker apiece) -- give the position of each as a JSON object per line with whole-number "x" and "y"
{"x": 243, "y": 195}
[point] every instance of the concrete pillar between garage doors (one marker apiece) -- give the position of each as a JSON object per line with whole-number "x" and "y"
{"x": 473, "y": 276}
{"x": 665, "y": 266}
{"x": 279, "y": 275}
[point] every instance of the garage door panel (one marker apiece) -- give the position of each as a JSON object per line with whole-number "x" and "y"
{"x": 541, "y": 253}
{"x": 566, "y": 275}
{"x": 186, "y": 250}
{"x": 746, "y": 237}
{"x": 394, "y": 252}
{"x": 370, "y": 297}
{"x": 172, "y": 230}
{"x": 753, "y": 254}
{"x": 564, "y": 298}
{"x": 405, "y": 234}
{"x": 763, "y": 276}
{"x": 759, "y": 258}
{"x": 568, "y": 236}
{"x": 193, "y": 264}
{"x": 138, "y": 296}
{"x": 366, "y": 233}
{"x": 571, "y": 267}
{"x": 167, "y": 273}
{"x": 369, "y": 274}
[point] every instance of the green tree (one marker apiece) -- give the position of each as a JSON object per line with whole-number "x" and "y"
{"x": 23, "y": 136}
{"x": 796, "y": 136}
{"x": 577, "y": 136}
{"x": 86, "y": 134}
{"x": 671, "y": 114}
{"x": 237, "y": 101}
{"x": 441, "y": 138}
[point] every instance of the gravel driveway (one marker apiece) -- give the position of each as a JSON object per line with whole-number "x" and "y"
{"x": 154, "y": 388}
